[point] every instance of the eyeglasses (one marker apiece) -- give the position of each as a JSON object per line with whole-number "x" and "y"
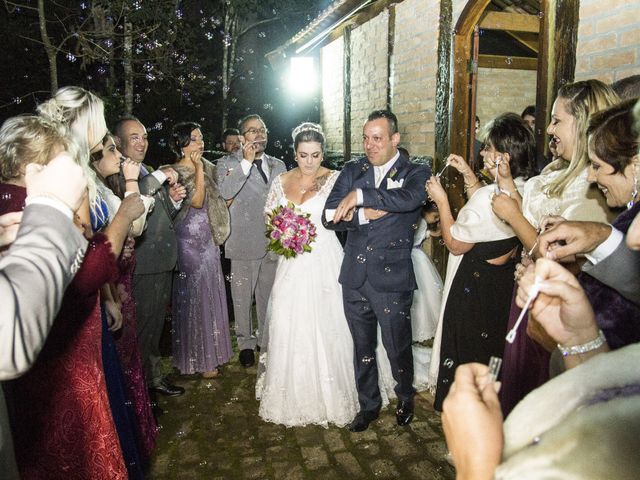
{"x": 255, "y": 131}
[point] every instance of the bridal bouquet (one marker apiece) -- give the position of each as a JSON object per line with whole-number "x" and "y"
{"x": 290, "y": 232}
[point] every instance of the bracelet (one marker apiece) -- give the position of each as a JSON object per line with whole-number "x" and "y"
{"x": 585, "y": 347}
{"x": 127, "y": 180}
{"x": 469, "y": 187}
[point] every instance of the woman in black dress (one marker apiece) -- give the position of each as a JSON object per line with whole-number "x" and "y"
{"x": 479, "y": 280}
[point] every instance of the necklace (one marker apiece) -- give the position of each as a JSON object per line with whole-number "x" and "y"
{"x": 311, "y": 188}
{"x": 315, "y": 186}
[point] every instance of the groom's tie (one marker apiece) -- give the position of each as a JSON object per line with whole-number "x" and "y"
{"x": 258, "y": 163}
{"x": 378, "y": 175}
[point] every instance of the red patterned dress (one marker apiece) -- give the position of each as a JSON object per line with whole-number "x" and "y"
{"x": 60, "y": 416}
{"x": 126, "y": 340}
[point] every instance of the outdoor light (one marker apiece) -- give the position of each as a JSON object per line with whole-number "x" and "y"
{"x": 302, "y": 76}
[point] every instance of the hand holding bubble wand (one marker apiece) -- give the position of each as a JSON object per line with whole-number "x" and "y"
{"x": 533, "y": 293}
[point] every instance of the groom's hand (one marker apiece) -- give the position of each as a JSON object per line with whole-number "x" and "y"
{"x": 374, "y": 214}
{"x": 346, "y": 207}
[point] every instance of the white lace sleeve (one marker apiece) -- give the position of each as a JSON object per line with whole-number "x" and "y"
{"x": 328, "y": 186}
{"x": 273, "y": 197}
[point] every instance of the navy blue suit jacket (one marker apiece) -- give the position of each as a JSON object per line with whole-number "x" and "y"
{"x": 380, "y": 251}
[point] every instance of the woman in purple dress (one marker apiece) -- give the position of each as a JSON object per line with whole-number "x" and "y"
{"x": 201, "y": 336}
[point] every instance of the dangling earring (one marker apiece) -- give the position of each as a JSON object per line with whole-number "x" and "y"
{"x": 634, "y": 193}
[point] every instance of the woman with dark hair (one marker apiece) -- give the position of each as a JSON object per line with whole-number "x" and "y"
{"x": 613, "y": 145}
{"x": 479, "y": 279}
{"x": 108, "y": 162}
{"x": 201, "y": 336}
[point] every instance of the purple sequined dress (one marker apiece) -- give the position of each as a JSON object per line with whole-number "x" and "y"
{"x": 201, "y": 336}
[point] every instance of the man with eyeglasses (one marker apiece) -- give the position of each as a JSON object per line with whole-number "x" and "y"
{"x": 156, "y": 252}
{"x": 244, "y": 179}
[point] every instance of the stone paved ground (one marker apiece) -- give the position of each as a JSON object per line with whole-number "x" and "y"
{"x": 213, "y": 431}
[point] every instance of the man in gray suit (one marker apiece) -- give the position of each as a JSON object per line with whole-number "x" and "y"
{"x": 156, "y": 252}
{"x": 244, "y": 178}
{"x": 34, "y": 273}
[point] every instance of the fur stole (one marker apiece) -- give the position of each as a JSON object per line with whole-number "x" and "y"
{"x": 219, "y": 218}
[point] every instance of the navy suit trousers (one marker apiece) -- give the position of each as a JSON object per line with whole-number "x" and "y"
{"x": 365, "y": 308}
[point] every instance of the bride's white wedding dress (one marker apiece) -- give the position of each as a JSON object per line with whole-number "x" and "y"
{"x": 306, "y": 374}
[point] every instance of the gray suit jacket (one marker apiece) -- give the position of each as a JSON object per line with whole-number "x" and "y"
{"x": 156, "y": 248}
{"x": 620, "y": 271}
{"x": 247, "y": 240}
{"x": 33, "y": 277}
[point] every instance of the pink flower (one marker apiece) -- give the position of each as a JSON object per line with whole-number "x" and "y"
{"x": 289, "y": 231}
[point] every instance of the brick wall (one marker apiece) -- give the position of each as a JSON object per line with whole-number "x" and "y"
{"x": 368, "y": 73}
{"x": 414, "y": 72}
{"x": 608, "y": 40}
{"x": 502, "y": 90}
{"x": 332, "y": 110}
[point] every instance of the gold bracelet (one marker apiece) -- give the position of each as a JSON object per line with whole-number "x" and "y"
{"x": 469, "y": 187}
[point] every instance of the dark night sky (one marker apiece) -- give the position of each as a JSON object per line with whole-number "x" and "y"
{"x": 257, "y": 88}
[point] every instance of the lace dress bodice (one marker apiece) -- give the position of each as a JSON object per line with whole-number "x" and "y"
{"x": 313, "y": 206}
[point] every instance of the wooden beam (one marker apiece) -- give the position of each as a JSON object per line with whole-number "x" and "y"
{"x": 557, "y": 57}
{"x": 529, "y": 40}
{"x": 510, "y": 63}
{"x": 391, "y": 33}
{"x": 360, "y": 18}
{"x": 514, "y": 22}
{"x": 439, "y": 253}
{"x": 461, "y": 55}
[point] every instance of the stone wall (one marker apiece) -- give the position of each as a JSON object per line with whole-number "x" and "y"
{"x": 332, "y": 110}
{"x": 369, "y": 57}
{"x": 502, "y": 90}
{"x": 414, "y": 70}
{"x": 608, "y": 40}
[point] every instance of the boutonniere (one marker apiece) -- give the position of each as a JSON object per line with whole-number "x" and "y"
{"x": 393, "y": 172}
{"x": 228, "y": 172}
{"x": 391, "y": 183}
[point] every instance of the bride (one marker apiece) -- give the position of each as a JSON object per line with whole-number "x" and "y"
{"x": 306, "y": 374}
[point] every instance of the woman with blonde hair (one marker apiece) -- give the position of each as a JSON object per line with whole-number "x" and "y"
{"x": 561, "y": 189}
{"x": 83, "y": 113}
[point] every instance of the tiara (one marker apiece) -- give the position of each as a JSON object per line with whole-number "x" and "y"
{"x": 306, "y": 127}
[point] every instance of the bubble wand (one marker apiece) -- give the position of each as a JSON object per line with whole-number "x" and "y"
{"x": 533, "y": 293}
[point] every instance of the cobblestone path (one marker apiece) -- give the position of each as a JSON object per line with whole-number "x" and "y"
{"x": 213, "y": 431}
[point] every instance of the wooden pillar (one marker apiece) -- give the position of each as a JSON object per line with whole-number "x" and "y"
{"x": 391, "y": 33}
{"x": 346, "y": 77}
{"x": 439, "y": 252}
{"x": 556, "y": 59}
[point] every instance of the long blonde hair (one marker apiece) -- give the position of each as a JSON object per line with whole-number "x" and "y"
{"x": 83, "y": 112}
{"x": 583, "y": 99}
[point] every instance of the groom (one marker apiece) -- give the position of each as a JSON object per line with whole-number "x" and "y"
{"x": 377, "y": 199}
